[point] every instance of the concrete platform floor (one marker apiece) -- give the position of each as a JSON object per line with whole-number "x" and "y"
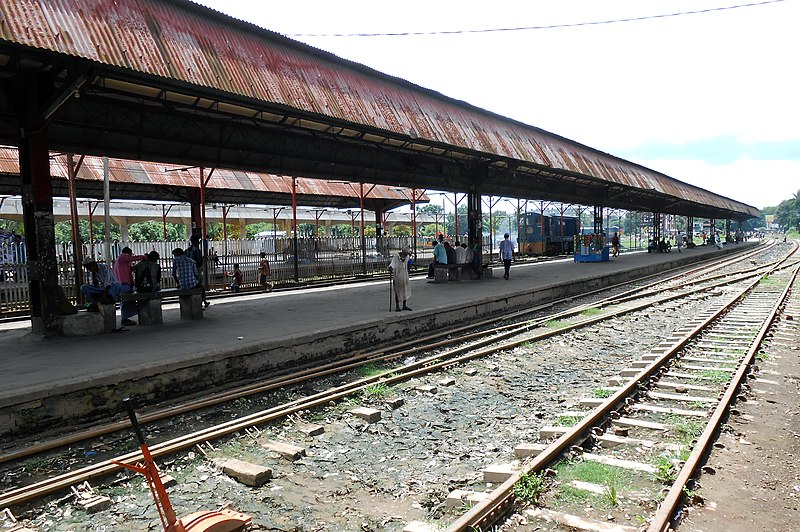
{"x": 244, "y": 336}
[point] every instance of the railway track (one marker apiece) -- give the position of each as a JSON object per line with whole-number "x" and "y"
{"x": 657, "y": 425}
{"x": 507, "y": 336}
{"x": 707, "y": 270}
{"x": 717, "y": 268}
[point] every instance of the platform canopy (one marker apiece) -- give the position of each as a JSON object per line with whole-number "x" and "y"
{"x": 159, "y": 182}
{"x": 176, "y": 82}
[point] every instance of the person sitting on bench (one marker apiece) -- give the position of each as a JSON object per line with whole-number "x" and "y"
{"x": 102, "y": 288}
{"x": 148, "y": 273}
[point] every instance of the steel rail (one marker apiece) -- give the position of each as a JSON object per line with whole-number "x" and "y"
{"x": 427, "y": 365}
{"x": 396, "y": 351}
{"x": 662, "y": 520}
{"x": 496, "y": 504}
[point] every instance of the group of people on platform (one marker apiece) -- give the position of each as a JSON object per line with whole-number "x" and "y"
{"x": 443, "y": 253}
{"x": 446, "y": 253}
{"x": 140, "y": 273}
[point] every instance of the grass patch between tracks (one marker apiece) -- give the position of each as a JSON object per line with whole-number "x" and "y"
{"x": 685, "y": 430}
{"x": 717, "y": 377}
{"x": 378, "y": 390}
{"x": 568, "y": 421}
{"x": 370, "y": 369}
{"x": 612, "y": 479}
{"x": 601, "y": 393}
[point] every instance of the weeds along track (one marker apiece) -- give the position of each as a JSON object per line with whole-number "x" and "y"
{"x": 502, "y": 334}
{"x": 630, "y": 460}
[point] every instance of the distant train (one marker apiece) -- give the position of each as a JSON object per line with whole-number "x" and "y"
{"x": 556, "y": 237}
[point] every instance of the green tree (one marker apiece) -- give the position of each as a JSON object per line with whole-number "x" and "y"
{"x": 12, "y": 226}
{"x": 787, "y": 214}
{"x": 340, "y": 230}
{"x": 430, "y": 208}
{"x": 252, "y": 229}
{"x": 63, "y": 232}
{"x": 402, "y": 230}
{"x": 153, "y": 231}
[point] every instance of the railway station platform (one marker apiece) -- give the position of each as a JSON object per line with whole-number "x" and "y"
{"x": 51, "y": 382}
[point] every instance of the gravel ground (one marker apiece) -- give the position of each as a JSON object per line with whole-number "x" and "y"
{"x": 381, "y": 475}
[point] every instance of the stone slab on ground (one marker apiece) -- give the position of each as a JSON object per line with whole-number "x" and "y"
{"x": 524, "y": 450}
{"x": 499, "y": 472}
{"x": 245, "y": 472}
{"x": 457, "y": 498}
{"x": 286, "y": 450}
{"x": 370, "y": 415}
{"x": 311, "y": 429}
{"x": 419, "y": 526}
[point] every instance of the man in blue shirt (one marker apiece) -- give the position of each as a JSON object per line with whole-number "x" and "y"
{"x": 439, "y": 255}
{"x": 184, "y": 270}
{"x": 102, "y": 287}
{"x": 196, "y": 254}
{"x": 506, "y": 254}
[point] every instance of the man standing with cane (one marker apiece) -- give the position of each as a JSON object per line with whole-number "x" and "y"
{"x": 398, "y": 269}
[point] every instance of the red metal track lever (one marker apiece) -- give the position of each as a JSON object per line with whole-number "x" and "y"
{"x": 223, "y": 520}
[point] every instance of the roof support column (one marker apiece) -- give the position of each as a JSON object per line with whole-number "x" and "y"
{"x": 77, "y": 253}
{"x": 193, "y": 196}
{"x": 478, "y": 174}
{"x": 657, "y": 227}
{"x": 379, "y": 240}
{"x": 196, "y": 198}
{"x": 124, "y": 237}
{"x": 598, "y": 220}
{"x": 294, "y": 230}
{"x": 37, "y": 212}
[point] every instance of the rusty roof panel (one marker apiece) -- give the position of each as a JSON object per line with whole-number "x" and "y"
{"x": 147, "y": 173}
{"x": 182, "y": 41}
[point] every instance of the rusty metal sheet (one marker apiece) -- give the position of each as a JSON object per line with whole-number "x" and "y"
{"x": 147, "y": 173}
{"x": 182, "y": 41}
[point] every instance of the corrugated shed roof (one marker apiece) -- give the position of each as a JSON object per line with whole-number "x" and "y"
{"x": 182, "y": 41}
{"x": 147, "y": 173}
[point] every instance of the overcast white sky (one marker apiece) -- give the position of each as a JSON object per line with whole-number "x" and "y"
{"x": 710, "y": 98}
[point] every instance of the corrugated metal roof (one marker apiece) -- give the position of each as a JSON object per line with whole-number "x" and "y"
{"x": 182, "y": 41}
{"x": 147, "y": 173}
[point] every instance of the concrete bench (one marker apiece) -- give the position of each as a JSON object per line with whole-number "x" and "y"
{"x": 447, "y": 272}
{"x": 149, "y": 304}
